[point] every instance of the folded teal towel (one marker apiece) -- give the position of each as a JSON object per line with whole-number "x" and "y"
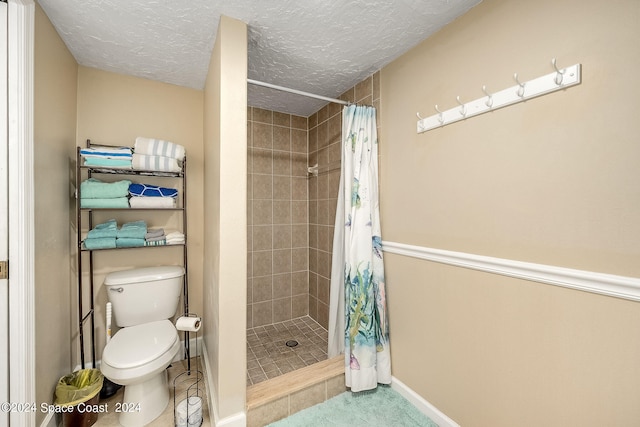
{"x": 135, "y": 230}
{"x": 93, "y": 188}
{"x": 117, "y": 203}
{"x": 100, "y": 243}
{"x": 106, "y": 229}
{"x": 109, "y": 163}
{"x": 129, "y": 242}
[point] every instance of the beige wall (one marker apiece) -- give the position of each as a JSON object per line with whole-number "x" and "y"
{"x": 54, "y": 135}
{"x": 278, "y": 261}
{"x": 115, "y": 109}
{"x": 553, "y": 180}
{"x": 225, "y": 228}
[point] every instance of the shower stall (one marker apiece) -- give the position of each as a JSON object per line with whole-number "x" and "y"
{"x": 293, "y": 178}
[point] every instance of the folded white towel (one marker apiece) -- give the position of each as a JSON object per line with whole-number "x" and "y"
{"x": 174, "y": 234}
{"x": 155, "y": 163}
{"x": 175, "y": 238}
{"x": 158, "y": 147}
{"x": 152, "y": 202}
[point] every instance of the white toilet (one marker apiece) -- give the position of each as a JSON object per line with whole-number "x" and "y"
{"x": 143, "y": 300}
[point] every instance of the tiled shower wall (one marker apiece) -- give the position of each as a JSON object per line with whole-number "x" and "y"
{"x": 278, "y": 253}
{"x": 290, "y": 216}
{"x": 325, "y": 130}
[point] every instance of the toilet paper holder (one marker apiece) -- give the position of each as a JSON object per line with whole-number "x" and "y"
{"x": 189, "y": 395}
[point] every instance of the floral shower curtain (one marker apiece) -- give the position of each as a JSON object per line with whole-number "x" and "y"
{"x": 357, "y": 280}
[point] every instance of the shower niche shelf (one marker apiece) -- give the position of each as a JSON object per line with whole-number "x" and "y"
{"x": 86, "y": 220}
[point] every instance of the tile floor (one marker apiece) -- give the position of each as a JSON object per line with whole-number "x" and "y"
{"x": 110, "y": 419}
{"x": 268, "y": 355}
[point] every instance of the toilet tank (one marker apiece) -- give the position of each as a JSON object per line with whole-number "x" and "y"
{"x": 143, "y": 295}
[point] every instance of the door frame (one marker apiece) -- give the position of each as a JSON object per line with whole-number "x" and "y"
{"x": 21, "y": 34}
{"x": 4, "y": 217}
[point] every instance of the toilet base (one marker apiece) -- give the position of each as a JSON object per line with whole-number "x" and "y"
{"x": 144, "y": 402}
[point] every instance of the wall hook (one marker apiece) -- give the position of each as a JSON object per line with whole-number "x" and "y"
{"x": 418, "y": 115}
{"x": 521, "y": 88}
{"x": 559, "y": 73}
{"x": 440, "y": 118}
{"x": 463, "y": 111}
{"x": 555, "y": 80}
{"x": 489, "y": 101}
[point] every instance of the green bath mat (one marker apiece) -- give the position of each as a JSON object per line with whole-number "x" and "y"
{"x": 383, "y": 407}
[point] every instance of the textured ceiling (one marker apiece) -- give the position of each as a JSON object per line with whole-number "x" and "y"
{"x": 323, "y": 47}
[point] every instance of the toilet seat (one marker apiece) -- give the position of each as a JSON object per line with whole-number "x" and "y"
{"x": 138, "y": 345}
{"x": 149, "y": 343}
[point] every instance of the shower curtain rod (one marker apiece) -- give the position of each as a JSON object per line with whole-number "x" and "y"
{"x": 297, "y": 92}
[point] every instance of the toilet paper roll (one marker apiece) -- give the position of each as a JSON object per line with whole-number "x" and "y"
{"x": 190, "y": 324}
{"x": 188, "y": 413}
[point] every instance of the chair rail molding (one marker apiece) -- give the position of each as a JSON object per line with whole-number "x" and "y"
{"x": 588, "y": 281}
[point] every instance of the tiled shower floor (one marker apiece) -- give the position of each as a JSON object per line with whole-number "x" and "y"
{"x": 268, "y": 355}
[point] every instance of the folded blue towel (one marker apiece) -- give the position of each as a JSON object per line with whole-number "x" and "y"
{"x": 107, "y": 152}
{"x": 118, "y": 203}
{"x": 129, "y": 242}
{"x": 106, "y": 229}
{"x": 100, "y": 243}
{"x": 93, "y": 188}
{"x": 147, "y": 190}
{"x": 134, "y": 230}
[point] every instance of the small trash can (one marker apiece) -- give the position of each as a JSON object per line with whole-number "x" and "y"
{"x": 77, "y": 395}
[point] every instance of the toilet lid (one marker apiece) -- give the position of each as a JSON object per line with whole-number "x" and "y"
{"x": 137, "y": 345}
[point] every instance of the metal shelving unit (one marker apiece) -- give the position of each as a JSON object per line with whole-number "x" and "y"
{"x": 87, "y": 314}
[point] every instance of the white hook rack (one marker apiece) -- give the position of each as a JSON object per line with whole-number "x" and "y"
{"x": 557, "y": 80}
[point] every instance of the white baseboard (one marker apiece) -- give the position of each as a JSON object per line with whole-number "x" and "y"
{"x": 237, "y": 420}
{"x": 423, "y": 406}
{"x": 208, "y": 381}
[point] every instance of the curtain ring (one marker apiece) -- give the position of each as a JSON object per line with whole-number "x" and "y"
{"x": 559, "y": 73}
{"x": 489, "y": 101}
{"x": 521, "y": 88}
